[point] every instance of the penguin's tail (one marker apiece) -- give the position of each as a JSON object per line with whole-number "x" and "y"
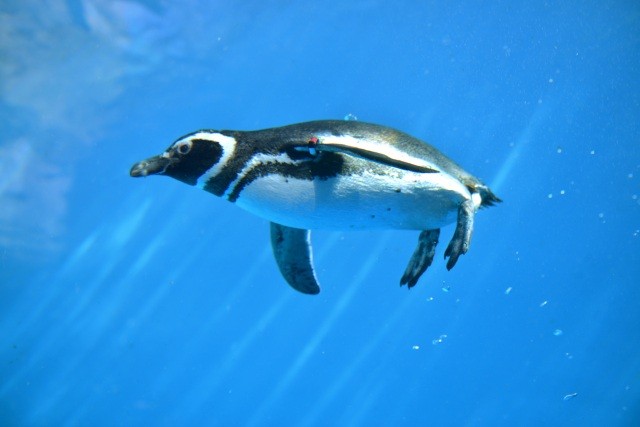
{"x": 487, "y": 196}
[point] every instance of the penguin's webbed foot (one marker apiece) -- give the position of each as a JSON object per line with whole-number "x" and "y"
{"x": 421, "y": 258}
{"x": 461, "y": 239}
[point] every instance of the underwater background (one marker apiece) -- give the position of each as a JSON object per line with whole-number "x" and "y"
{"x": 150, "y": 303}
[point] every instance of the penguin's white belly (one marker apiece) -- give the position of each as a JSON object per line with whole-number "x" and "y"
{"x": 406, "y": 200}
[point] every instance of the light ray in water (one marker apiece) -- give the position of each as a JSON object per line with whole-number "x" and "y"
{"x": 202, "y": 391}
{"x": 520, "y": 145}
{"x": 101, "y": 323}
{"x": 111, "y": 251}
{"x": 192, "y": 346}
{"x": 326, "y": 326}
{"x": 334, "y": 389}
{"x": 47, "y": 299}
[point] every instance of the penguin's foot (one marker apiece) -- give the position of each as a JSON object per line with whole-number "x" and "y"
{"x": 421, "y": 258}
{"x": 459, "y": 244}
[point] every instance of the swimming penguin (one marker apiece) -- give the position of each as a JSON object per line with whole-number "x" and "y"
{"x": 331, "y": 174}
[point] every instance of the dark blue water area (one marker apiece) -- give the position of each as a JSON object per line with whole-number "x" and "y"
{"x": 151, "y": 303}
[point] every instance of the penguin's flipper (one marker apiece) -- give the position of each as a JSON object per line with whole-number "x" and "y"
{"x": 292, "y": 250}
{"x": 379, "y": 154}
{"x": 459, "y": 244}
{"x": 422, "y": 257}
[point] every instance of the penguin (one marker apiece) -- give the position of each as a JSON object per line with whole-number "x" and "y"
{"x": 332, "y": 175}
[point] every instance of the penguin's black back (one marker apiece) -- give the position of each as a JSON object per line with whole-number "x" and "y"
{"x": 273, "y": 139}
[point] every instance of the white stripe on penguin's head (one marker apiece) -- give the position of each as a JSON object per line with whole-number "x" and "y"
{"x": 228, "y": 145}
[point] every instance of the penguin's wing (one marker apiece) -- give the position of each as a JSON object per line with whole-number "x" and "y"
{"x": 292, "y": 250}
{"x": 375, "y": 152}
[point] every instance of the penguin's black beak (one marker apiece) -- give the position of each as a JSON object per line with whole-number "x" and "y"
{"x": 152, "y": 166}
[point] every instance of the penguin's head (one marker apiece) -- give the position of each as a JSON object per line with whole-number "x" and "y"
{"x": 188, "y": 158}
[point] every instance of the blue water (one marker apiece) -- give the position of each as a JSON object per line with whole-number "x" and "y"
{"x": 150, "y": 303}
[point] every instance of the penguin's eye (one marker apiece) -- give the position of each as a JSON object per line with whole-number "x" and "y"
{"x": 184, "y": 148}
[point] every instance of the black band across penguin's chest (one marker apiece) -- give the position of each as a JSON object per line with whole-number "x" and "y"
{"x": 233, "y": 180}
{"x": 329, "y": 166}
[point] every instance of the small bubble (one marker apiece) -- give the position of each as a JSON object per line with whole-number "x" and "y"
{"x": 543, "y": 303}
{"x": 569, "y": 396}
{"x": 539, "y": 101}
{"x": 569, "y": 356}
{"x": 350, "y": 117}
{"x": 508, "y": 290}
{"x": 559, "y": 150}
{"x": 601, "y": 215}
{"x": 634, "y": 197}
{"x": 557, "y": 332}
{"x": 592, "y": 152}
{"x": 562, "y": 192}
{"x": 446, "y": 288}
{"x": 636, "y": 233}
{"x": 550, "y": 80}
{"x": 430, "y": 299}
{"x": 550, "y": 196}
{"x": 630, "y": 176}
{"x": 439, "y": 340}
{"x": 416, "y": 347}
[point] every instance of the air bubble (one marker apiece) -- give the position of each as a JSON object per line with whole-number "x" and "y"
{"x": 439, "y": 340}
{"x": 446, "y": 288}
{"x": 557, "y": 332}
{"x": 416, "y": 347}
{"x": 508, "y": 290}
{"x": 351, "y": 118}
{"x": 543, "y": 303}
{"x": 569, "y": 396}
